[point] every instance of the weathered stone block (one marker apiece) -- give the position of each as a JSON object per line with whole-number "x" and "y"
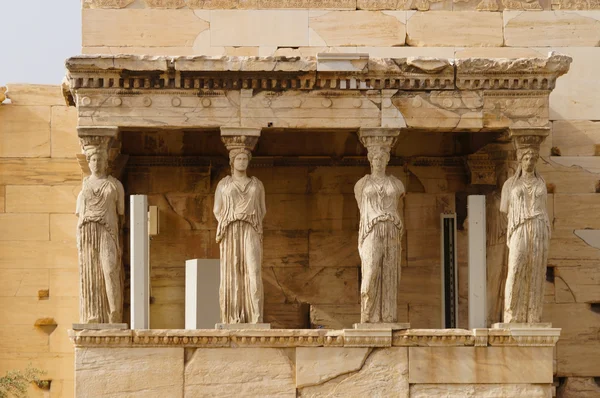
{"x": 312, "y": 4}
{"x": 138, "y": 27}
{"x": 330, "y": 180}
{"x": 333, "y": 249}
{"x": 384, "y": 373}
{"x": 581, "y": 282}
{"x": 117, "y": 371}
{"x": 24, "y": 226}
{"x": 429, "y": 365}
{"x": 357, "y": 28}
{"x": 28, "y": 171}
{"x": 24, "y": 131}
{"x": 420, "y": 285}
{"x": 334, "y": 316}
{"x": 41, "y": 198}
{"x": 259, "y": 28}
{"x": 567, "y": 248}
{"x": 285, "y": 248}
{"x": 579, "y": 387}
{"x": 287, "y": 316}
{"x": 314, "y": 285}
{"x": 422, "y": 316}
{"x": 63, "y": 227}
{"x": 570, "y": 175}
{"x": 64, "y": 282}
{"x": 35, "y": 94}
{"x": 580, "y": 83}
{"x": 423, "y": 247}
{"x": 573, "y": 211}
{"x": 38, "y": 254}
{"x": 579, "y": 322}
{"x": 463, "y": 29}
{"x": 551, "y": 28}
{"x": 264, "y": 372}
{"x": 63, "y": 132}
{"x": 422, "y": 211}
{"x": 480, "y": 390}
{"x": 316, "y": 365}
{"x": 578, "y": 359}
{"x": 19, "y": 282}
{"x": 333, "y": 212}
{"x": 576, "y": 137}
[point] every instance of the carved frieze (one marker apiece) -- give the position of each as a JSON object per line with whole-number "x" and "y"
{"x": 482, "y": 169}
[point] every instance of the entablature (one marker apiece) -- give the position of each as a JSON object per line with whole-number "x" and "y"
{"x": 327, "y": 91}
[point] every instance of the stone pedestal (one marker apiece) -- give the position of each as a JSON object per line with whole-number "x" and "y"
{"x": 242, "y": 326}
{"x": 313, "y": 362}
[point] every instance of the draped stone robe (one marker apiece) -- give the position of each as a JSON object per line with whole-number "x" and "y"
{"x": 240, "y": 211}
{"x": 99, "y": 205}
{"x": 379, "y": 237}
{"x": 528, "y": 236}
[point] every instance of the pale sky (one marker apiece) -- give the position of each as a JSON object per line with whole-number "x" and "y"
{"x": 36, "y": 36}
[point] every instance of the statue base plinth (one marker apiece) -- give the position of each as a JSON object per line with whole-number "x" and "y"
{"x": 382, "y": 325}
{"x": 100, "y": 326}
{"x": 521, "y": 325}
{"x": 242, "y": 326}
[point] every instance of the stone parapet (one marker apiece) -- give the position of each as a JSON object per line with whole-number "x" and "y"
{"x": 307, "y": 362}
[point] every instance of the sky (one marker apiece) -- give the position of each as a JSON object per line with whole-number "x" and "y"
{"x": 36, "y": 36}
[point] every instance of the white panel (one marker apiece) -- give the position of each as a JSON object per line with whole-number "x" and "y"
{"x": 140, "y": 264}
{"x": 202, "y": 278}
{"x": 477, "y": 261}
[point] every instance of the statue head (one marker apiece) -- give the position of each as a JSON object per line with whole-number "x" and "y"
{"x": 528, "y": 157}
{"x": 379, "y": 158}
{"x": 239, "y": 159}
{"x": 97, "y": 158}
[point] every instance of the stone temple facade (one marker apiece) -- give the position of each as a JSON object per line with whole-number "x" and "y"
{"x": 460, "y": 85}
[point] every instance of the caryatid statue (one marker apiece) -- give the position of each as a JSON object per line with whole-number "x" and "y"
{"x": 100, "y": 208}
{"x": 240, "y": 208}
{"x": 523, "y": 199}
{"x": 380, "y": 232}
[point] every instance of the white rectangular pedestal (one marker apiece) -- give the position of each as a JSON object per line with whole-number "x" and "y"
{"x": 477, "y": 262}
{"x": 140, "y": 262}
{"x": 202, "y": 278}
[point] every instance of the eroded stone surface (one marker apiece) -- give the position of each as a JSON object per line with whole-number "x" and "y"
{"x": 263, "y": 372}
{"x": 579, "y": 387}
{"x": 357, "y": 28}
{"x": 480, "y": 390}
{"x": 140, "y": 372}
{"x": 317, "y": 366}
{"x": 480, "y": 365}
{"x": 384, "y": 374}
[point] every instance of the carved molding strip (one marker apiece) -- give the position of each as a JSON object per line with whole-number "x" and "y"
{"x": 278, "y": 338}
